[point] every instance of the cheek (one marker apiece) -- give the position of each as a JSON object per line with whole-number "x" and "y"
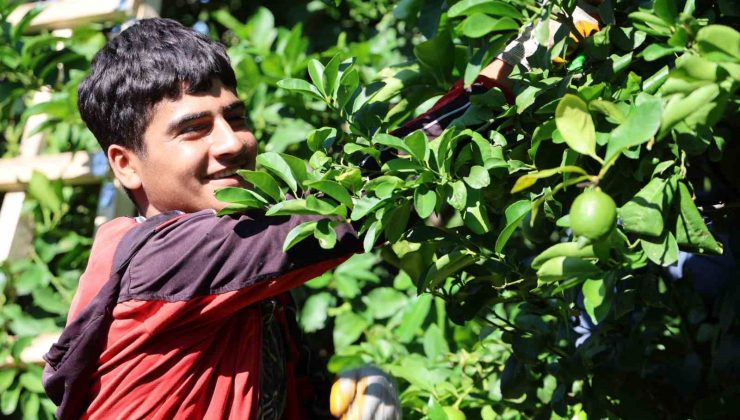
{"x": 251, "y": 146}
{"x": 189, "y": 158}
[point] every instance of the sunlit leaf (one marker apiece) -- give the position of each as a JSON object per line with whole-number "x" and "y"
{"x": 575, "y": 125}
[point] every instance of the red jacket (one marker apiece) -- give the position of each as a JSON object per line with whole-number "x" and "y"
{"x": 184, "y": 315}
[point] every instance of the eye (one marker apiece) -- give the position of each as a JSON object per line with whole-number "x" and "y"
{"x": 237, "y": 120}
{"x": 195, "y": 128}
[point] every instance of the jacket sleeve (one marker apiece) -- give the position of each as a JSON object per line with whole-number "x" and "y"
{"x": 200, "y": 254}
{"x": 450, "y": 106}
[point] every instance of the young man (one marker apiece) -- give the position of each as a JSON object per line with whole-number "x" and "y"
{"x": 181, "y": 313}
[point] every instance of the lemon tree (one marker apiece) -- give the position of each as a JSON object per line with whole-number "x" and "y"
{"x": 619, "y": 155}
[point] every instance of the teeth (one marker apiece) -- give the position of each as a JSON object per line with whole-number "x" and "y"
{"x": 223, "y": 174}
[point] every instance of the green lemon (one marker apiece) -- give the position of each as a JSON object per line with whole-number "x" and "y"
{"x": 593, "y": 214}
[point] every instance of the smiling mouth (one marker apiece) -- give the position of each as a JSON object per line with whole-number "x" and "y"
{"x": 224, "y": 173}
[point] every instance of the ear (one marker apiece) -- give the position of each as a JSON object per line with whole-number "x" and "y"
{"x": 125, "y": 164}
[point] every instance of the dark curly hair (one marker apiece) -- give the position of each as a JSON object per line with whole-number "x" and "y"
{"x": 152, "y": 60}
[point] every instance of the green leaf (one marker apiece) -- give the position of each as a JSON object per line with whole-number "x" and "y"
{"x": 415, "y": 369}
{"x": 298, "y": 168}
{"x": 666, "y": 10}
{"x": 35, "y": 277}
{"x": 348, "y": 88}
{"x": 348, "y": 327}
{"x": 300, "y": 86}
{"x": 6, "y": 378}
{"x": 413, "y": 318}
{"x": 655, "y": 25}
{"x": 289, "y": 207}
{"x": 298, "y": 233}
{"x": 514, "y": 214}
{"x": 417, "y": 144}
{"x": 424, "y": 201}
{"x": 332, "y": 76}
{"x": 372, "y": 235}
{"x": 31, "y": 381}
{"x": 457, "y": 195}
{"x": 691, "y": 231}
{"x": 316, "y": 72}
{"x": 235, "y": 208}
{"x": 491, "y": 7}
{"x": 278, "y": 166}
{"x": 478, "y": 177}
{"x": 657, "y": 51}
{"x": 264, "y": 182}
{"x": 654, "y": 82}
{"x": 321, "y": 138}
{"x": 434, "y": 342}
{"x": 314, "y": 312}
{"x": 487, "y": 413}
{"x": 395, "y": 221}
{"x": 325, "y": 234}
{"x": 50, "y": 301}
{"x": 563, "y": 268}
{"x": 354, "y": 274}
{"x": 526, "y": 181}
{"x": 718, "y": 43}
{"x": 444, "y": 267}
{"x": 364, "y": 206}
{"x": 610, "y": 109}
{"x": 323, "y": 207}
{"x": 384, "y": 302}
{"x": 680, "y": 108}
{"x": 435, "y": 55}
{"x": 643, "y": 214}
{"x": 691, "y": 73}
{"x": 641, "y": 125}
{"x": 475, "y": 215}
{"x": 597, "y": 295}
{"x": 9, "y": 399}
{"x": 391, "y": 141}
{"x": 241, "y": 196}
{"x": 384, "y": 186}
{"x": 31, "y": 404}
{"x": 333, "y": 190}
{"x": 478, "y": 25}
{"x": 20, "y": 27}
{"x": 663, "y": 250}
{"x": 41, "y": 189}
{"x": 564, "y": 249}
{"x": 575, "y": 124}
{"x": 401, "y": 165}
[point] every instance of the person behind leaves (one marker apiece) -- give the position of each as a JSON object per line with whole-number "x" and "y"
{"x": 180, "y": 313}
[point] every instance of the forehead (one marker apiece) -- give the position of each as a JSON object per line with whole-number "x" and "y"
{"x": 212, "y": 100}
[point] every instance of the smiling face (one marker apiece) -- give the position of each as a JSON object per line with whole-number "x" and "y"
{"x": 193, "y": 146}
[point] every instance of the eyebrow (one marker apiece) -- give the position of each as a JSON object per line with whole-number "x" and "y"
{"x": 236, "y": 105}
{"x": 174, "y": 126}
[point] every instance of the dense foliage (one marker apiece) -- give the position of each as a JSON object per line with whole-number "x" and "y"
{"x": 488, "y": 299}
{"x": 496, "y": 222}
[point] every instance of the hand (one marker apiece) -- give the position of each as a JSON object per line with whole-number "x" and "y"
{"x": 363, "y": 394}
{"x": 585, "y": 20}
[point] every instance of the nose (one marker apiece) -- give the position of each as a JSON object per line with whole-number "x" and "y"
{"x": 225, "y": 141}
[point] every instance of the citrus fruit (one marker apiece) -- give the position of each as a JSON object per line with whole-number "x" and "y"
{"x": 593, "y": 214}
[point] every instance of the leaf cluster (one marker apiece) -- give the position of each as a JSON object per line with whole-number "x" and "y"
{"x": 640, "y": 111}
